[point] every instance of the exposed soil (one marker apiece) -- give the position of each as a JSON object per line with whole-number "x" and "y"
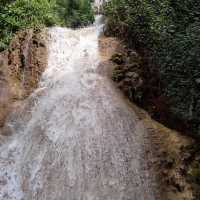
{"x": 20, "y": 69}
{"x": 175, "y": 156}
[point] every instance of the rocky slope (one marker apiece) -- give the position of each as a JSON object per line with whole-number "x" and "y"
{"x": 20, "y": 69}
{"x": 176, "y": 156}
{"x": 175, "y": 160}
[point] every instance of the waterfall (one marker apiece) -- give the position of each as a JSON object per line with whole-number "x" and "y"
{"x": 81, "y": 140}
{"x": 98, "y": 5}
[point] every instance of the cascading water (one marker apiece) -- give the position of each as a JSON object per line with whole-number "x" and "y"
{"x": 82, "y": 141}
{"x": 98, "y": 5}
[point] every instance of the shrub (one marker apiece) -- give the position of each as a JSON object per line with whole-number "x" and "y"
{"x": 21, "y": 14}
{"x": 16, "y": 15}
{"x": 170, "y": 31}
{"x": 75, "y": 13}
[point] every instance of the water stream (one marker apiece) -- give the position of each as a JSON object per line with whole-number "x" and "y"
{"x": 82, "y": 141}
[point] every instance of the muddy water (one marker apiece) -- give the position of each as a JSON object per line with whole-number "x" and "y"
{"x": 81, "y": 141}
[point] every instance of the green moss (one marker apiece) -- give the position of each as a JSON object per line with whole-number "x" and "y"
{"x": 194, "y": 172}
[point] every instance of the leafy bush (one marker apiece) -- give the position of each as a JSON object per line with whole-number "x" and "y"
{"x": 170, "y": 31}
{"x": 16, "y": 15}
{"x": 21, "y": 14}
{"x": 75, "y": 13}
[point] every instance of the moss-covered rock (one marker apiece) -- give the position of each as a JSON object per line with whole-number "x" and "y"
{"x": 118, "y": 58}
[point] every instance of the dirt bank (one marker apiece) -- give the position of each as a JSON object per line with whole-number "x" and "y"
{"x": 174, "y": 160}
{"x": 175, "y": 157}
{"x": 20, "y": 69}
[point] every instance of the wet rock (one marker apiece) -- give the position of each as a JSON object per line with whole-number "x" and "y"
{"x": 35, "y": 42}
{"x": 118, "y": 76}
{"x": 194, "y": 172}
{"x": 119, "y": 67}
{"x": 169, "y": 162}
{"x": 175, "y": 183}
{"x": 20, "y": 69}
{"x": 28, "y": 58}
{"x": 118, "y": 58}
{"x": 180, "y": 187}
{"x": 133, "y": 57}
{"x": 132, "y": 66}
{"x": 186, "y": 156}
{"x": 42, "y": 44}
{"x": 132, "y": 75}
{"x": 128, "y": 81}
{"x": 183, "y": 170}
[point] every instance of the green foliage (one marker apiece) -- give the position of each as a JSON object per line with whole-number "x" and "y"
{"x": 75, "y": 13}
{"x": 170, "y": 30}
{"x": 16, "y": 15}
{"x": 21, "y": 14}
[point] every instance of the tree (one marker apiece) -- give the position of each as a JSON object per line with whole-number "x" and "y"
{"x": 16, "y": 15}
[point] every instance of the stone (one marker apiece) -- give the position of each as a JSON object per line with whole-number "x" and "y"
{"x": 118, "y": 58}
{"x": 127, "y": 80}
{"x": 132, "y": 74}
{"x": 133, "y": 57}
{"x": 118, "y": 76}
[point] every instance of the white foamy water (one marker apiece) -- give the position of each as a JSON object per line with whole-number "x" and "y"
{"x": 82, "y": 141}
{"x": 98, "y": 4}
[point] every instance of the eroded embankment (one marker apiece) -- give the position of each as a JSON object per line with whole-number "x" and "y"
{"x": 176, "y": 156}
{"x": 20, "y": 69}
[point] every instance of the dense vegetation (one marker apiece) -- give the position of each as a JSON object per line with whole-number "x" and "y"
{"x": 169, "y": 30}
{"x": 16, "y": 15}
{"x": 75, "y": 12}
